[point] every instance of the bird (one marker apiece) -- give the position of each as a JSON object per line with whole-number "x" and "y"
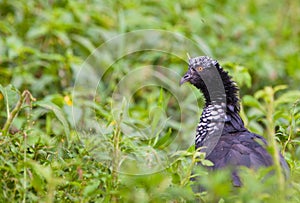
{"x": 221, "y": 132}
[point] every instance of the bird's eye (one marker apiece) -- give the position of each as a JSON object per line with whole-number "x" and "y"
{"x": 199, "y": 68}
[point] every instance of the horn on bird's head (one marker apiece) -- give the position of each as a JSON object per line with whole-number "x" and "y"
{"x": 189, "y": 57}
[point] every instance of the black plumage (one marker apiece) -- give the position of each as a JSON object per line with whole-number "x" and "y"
{"x": 221, "y": 131}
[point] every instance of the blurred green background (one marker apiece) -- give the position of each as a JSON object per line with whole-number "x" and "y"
{"x": 46, "y": 157}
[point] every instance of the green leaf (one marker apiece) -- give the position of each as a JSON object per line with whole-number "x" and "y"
{"x": 11, "y": 96}
{"x": 206, "y": 162}
{"x": 58, "y": 114}
{"x": 85, "y": 42}
{"x": 42, "y": 171}
{"x": 91, "y": 188}
{"x": 279, "y": 87}
{"x": 157, "y": 119}
{"x": 36, "y": 31}
{"x": 164, "y": 141}
{"x": 260, "y": 94}
{"x": 176, "y": 178}
{"x": 249, "y": 100}
{"x": 288, "y": 97}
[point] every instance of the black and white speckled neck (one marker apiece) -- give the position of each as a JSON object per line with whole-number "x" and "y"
{"x": 211, "y": 122}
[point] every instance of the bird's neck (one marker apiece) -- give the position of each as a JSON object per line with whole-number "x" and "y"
{"x": 220, "y": 92}
{"x": 217, "y": 119}
{"x": 219, "y": 116}
{"x": 212, "y": 121}
{"x": 221, "y": 112}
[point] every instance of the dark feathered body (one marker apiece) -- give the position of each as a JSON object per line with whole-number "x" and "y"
{"x": 221, "y": 130}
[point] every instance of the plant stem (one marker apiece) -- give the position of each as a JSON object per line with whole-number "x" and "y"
{"x": 115, "y": 161}
{"x": 291, "y": 125}
{"x": 189, "y": 173}
{"x": 25, "y": 169}
{"x": 272, "y": 141}
{"x": 16, "y": 110}
{"x": 115, "y": 165}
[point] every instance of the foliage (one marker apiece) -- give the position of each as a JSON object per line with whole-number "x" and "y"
{"x": 59, "y": 145}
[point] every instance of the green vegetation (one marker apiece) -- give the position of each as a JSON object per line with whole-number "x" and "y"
{"x": 114, "y": 126}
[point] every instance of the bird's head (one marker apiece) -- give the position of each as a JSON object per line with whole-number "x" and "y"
{"x": 201, "y": 69}
{"x": 208, "y": 76}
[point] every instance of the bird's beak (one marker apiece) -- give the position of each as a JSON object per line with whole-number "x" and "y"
{"x": 185, "y": 78}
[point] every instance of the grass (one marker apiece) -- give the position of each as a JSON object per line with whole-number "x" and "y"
{"x": 91, "y": 109}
